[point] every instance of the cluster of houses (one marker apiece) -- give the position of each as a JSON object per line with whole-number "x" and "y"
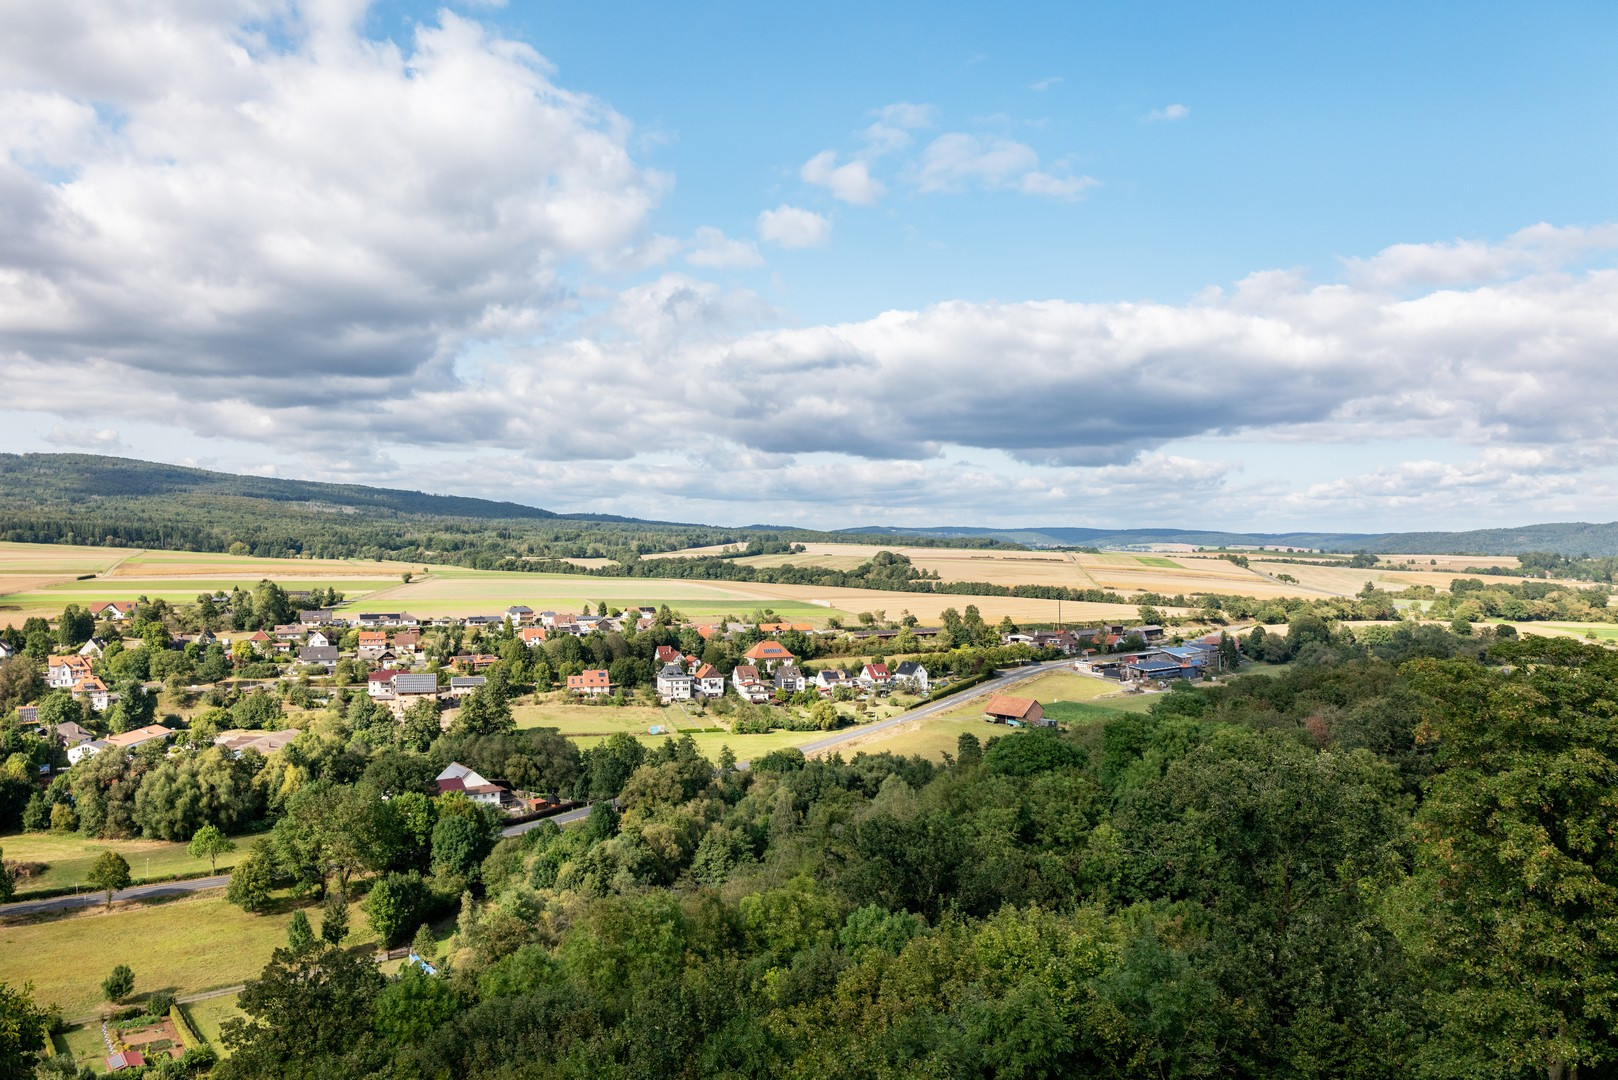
{"x": 769, "y": 671}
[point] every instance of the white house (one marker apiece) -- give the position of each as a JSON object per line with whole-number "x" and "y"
{"x": 709, "y": 682}
{"x": 789, "y": 679}
{"x": 467, "y": 781}
{"x": 673, "y": 684}
{"x": 876, "y": 676}
{"x": 912, "y": 676}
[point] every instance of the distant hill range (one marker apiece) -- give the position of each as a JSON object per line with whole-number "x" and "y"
{"x": 91, "y": 499}
{"x": 1564, "y": 538}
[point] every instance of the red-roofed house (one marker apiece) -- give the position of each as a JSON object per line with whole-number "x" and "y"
{"x": 749, "y": 685}
{"x": 532, "y": 635}
{"x": 709, "y": 682}
{"x": 876, "y": 676}
{"x": 379, "y": 684}
{"x": 64, "y": 671}
{"x": 593, "y": 683}
{"x": 665, "y": 654}
{"x": 769, "y": 654}
{"x": 116, "y": 610}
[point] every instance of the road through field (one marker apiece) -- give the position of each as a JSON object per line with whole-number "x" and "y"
{"x": 134, "y": 892}
{"x": 836, "y": 739}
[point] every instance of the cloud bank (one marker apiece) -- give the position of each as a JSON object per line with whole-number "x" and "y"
{"x": 253, "y": 224}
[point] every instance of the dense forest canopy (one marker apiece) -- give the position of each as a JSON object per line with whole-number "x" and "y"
{"x": 1393, "y": 859}
{"x": 86, "y": 499}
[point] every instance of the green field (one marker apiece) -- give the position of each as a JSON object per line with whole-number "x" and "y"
{"x": 84, "y": 1042}
{"x": 208, "y": 1017}
{"x": 68, "y": 857}
{"x": 573, "y": 720}
{"x": 185, "y": 946}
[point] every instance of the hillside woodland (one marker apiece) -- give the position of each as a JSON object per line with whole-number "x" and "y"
{"x": 1391, "y": 860}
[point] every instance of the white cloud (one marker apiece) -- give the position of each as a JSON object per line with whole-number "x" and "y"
{"x": 712, "y": 249}
{"x": 1045, "y": 84}
{"x": 94, "y": 440}
{"x": 851, "y": 182}
{"x": 1168, "y": 113}
{"x": 957, "y": 161}
{"x": 1057, "y": 187}
{"x": 180, "y": 195}
{"x": 793, "y": 227}
{"x": 1538, "y": 247}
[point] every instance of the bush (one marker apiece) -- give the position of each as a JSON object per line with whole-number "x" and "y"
{"x": 119, "y": 985}
{"x": 159, "y": 1003}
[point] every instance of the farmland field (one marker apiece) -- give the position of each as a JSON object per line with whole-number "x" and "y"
{"x": 186, "y": 946}
{"x": 69, "y": 855}
{"x": 41, "y": 579}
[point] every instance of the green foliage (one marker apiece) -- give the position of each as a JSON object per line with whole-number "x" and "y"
{"x": 117, "y": 986}
{"x": 397, "y": 903}
{"x": 252, "y": 879}
{"x": 108, "y": 874}
{"x": 22, "y": 1030}
{"x": 299, "y": 934}
{"x": 210, "y": 843}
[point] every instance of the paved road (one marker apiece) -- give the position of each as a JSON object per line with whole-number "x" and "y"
{"x": 992, "y": 686}
{"x": 134, "y": 892}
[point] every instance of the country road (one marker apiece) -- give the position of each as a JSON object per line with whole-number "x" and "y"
{"x": 134, "y": 892}
{"x": 173, "y": 888}
{"x": 829, "y": 742}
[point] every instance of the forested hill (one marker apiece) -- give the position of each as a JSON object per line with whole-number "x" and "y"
{"x": 67, "y": 481}
{"x": 1563, "y": 538}
{"x": 119, "y": 502}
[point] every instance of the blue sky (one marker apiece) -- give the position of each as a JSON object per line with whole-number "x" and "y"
{"x": 1255, "y": 266}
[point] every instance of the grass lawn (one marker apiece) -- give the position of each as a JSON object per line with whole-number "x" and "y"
{"x": 86, "y": 1045}
{"x": 185, "y": 946}
{"x": 209, "y": 1016}
{"x": 1588, "y": 631}
{"x": 745, "y": 747}
{"x": 68, "y": 857}
{"x": 572, "y": 719}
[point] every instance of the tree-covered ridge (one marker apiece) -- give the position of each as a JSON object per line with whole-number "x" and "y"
{"x": 85, "y": 499}
{"x": 1393, "y": 860}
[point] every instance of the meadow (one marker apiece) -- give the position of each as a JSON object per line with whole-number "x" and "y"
{"x": 42, "y": 579}
{"x": 186, "y": 945}
{"x": 68, "y": 857}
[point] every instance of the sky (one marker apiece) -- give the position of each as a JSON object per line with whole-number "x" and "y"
{"x": 1240, "y": 266}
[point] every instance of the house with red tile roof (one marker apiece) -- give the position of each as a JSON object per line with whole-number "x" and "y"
{"x": 593, "y": 683}
{"x": 769, "y": 654}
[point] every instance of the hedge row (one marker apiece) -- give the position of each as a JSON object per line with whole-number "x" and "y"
{"x": 182, "y": 1025}
{"x": 961, "y": 684}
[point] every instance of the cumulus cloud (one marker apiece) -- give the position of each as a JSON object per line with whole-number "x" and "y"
{"x": 96, "y": 440}
{"x": 180, "y": 195}
{"x": 712, "y": 249}
{"x": 793, "y": 227}
{"x": 851, "y": 182}
{"x": 1168, "y": 114}
{"x": 1045, "y": 84}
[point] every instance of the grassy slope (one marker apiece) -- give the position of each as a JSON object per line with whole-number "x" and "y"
{"x": 185, "y": 946}
{"x": 69, "y": 856}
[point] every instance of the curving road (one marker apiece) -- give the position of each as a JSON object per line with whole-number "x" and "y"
{"x": 829, "y": 742}
{"x": 86, "y": 899}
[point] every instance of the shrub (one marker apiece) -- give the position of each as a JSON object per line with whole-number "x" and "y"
{"x": 119, "y": 985}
